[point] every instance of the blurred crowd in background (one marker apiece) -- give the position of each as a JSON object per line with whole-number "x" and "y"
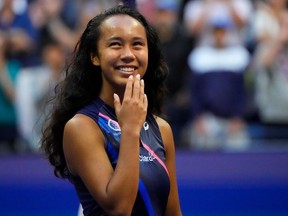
{"x": 228, "y": 61}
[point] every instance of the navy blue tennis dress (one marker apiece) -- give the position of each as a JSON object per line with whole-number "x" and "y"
{"x": 154, "y": 184}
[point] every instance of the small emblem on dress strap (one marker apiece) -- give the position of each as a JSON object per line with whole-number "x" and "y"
{"x": 146, "y": 125}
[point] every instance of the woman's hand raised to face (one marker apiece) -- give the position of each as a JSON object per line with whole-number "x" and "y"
{"x": 131, "y": 113}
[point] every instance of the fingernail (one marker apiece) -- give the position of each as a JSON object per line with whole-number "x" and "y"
{"x": 138, "y": 76}
{"x": 130, "y": 77}
{"x": 142, "y": 81}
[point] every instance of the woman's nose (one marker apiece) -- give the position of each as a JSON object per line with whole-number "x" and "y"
{"x": 127, "y": 53}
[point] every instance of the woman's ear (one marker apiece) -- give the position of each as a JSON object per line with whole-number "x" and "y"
{"x": 94, "y": 60}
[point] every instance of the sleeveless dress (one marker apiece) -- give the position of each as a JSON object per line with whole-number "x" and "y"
{"x": 154, "y": 184}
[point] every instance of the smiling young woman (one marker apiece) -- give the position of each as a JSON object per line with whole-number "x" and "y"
{"x": 105, "y": 133}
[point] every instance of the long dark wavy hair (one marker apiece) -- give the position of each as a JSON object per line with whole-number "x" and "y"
{"x": 83, "y": 82}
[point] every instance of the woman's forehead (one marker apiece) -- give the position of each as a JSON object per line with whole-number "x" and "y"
{"x": 121, "y": 19}
{"x": 123, "y": 24}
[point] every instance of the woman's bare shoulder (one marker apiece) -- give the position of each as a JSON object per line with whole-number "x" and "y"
{"x": 82, "y": 126}
{"x": 82, "y": 139}
{"x": 162, "y": 123}
{"x": 166, "y": 131}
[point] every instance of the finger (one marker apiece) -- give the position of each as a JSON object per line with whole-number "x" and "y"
{"x": 129, "y": 86}
{"x": 145, "y": 101}
{"x": 142, "y": 87}
{"x": 136, "y": 87}
{"x": 117, "y": 103}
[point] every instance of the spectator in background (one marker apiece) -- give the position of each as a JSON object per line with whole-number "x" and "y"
{"x": 147, "y": 8}
{"x": 8, "y": 119}
{"x": 48, "y": 16}
{"x": 22, "y": 35}
{"x": 176, "y": 47}
{"x": 34, "y": 85}
{"x": 218, "y": 91}
{"x": 271, "y": 61}
{"x": 198, "y": 15}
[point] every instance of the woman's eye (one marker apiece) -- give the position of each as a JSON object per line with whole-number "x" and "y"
{"x": 115, "y": 44}
{"x": 138, "y": 43}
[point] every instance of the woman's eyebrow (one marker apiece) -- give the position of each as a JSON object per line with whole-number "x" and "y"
{"x": 121, "y": 39}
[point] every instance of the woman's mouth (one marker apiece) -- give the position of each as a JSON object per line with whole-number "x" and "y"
{"x": 126, "y": 69}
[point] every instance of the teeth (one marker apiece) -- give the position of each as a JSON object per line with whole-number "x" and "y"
{"x": 127, "y": 69}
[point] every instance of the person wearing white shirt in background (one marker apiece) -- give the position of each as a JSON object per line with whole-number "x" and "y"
{"x": 218, "y": 92}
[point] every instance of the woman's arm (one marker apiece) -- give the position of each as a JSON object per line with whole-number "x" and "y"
{"x": 173, "y": 205}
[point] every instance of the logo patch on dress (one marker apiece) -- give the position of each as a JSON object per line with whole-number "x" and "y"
{"x": 146, "y": 158}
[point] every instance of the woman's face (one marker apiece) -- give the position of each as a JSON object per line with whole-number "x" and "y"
{"x": 122, "y": 50}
